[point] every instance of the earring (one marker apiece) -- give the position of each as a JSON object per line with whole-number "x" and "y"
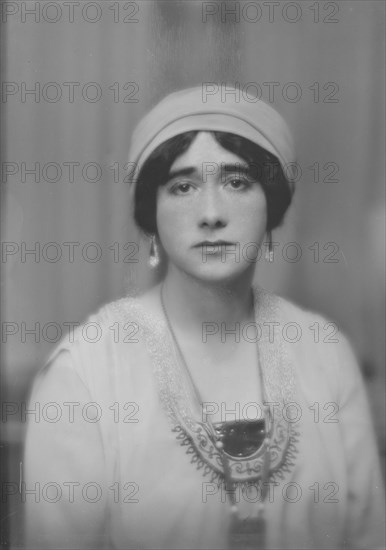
{"x": 269, "y": 251}
{"x": 154, "y": 258}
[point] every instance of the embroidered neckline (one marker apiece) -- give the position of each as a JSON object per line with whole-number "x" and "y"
{"x": 180, "y": 406}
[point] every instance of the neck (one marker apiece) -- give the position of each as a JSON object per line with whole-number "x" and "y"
{"x": 191, "y": 302}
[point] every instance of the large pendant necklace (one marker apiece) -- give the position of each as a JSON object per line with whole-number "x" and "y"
{"x": 236, "y": 440}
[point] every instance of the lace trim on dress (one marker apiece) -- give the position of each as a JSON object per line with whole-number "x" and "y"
{"x": 179, "y": 403}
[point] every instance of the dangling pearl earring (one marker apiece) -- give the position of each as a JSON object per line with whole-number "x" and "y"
{"x": 154, "y": 258}
{"x": 269, "y": 251}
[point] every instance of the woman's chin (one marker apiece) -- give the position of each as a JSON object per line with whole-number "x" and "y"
{"x": 219, "y": 272}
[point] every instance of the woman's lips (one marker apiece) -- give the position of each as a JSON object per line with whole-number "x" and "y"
{"x": 213, "y": 244}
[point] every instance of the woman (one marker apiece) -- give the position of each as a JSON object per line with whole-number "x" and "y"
{"x": 193, "y": 416}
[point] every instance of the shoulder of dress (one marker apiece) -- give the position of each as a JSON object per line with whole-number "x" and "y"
{"x": 321, "y": 339}
{"x": 91, "y": 346}
{"x": 286, "y": 310}
{"x": 118, "y": 310}
{"x": 97, "y": 329}
{"x": 323, "y": 342}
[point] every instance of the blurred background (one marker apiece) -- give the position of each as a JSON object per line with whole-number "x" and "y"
{"x": 76, "y": 78}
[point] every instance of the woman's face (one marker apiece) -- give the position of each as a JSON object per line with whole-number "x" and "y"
{"x": 211, "y": 216}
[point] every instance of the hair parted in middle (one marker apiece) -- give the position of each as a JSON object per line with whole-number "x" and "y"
{"x": 264, "y": 168}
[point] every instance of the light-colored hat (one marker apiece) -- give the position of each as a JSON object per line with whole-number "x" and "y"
{"x": 217, "y": 108}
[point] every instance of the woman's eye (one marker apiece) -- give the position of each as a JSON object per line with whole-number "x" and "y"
{"x": 181, "y": 188}
{"x": 237, "y": 183}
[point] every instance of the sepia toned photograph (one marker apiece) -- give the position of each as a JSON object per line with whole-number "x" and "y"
{"x": 193, "y": 275}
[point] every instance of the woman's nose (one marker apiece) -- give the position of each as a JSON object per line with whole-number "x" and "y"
{"x": 212, "y": 210}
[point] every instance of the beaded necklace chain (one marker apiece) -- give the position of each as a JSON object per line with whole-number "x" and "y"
{"x": 244, "y": 533}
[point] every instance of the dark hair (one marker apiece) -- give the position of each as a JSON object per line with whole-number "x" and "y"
{"x": 263, "y": 166}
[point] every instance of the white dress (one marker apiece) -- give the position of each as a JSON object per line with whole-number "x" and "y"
{"x": 118, "y": 456}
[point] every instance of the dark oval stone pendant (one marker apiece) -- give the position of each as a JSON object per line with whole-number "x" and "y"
{"x": 241, "y": 438}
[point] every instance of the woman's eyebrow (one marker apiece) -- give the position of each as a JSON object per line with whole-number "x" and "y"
{"x": 188, "y": 171}
{"x": 237, "y": 167}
